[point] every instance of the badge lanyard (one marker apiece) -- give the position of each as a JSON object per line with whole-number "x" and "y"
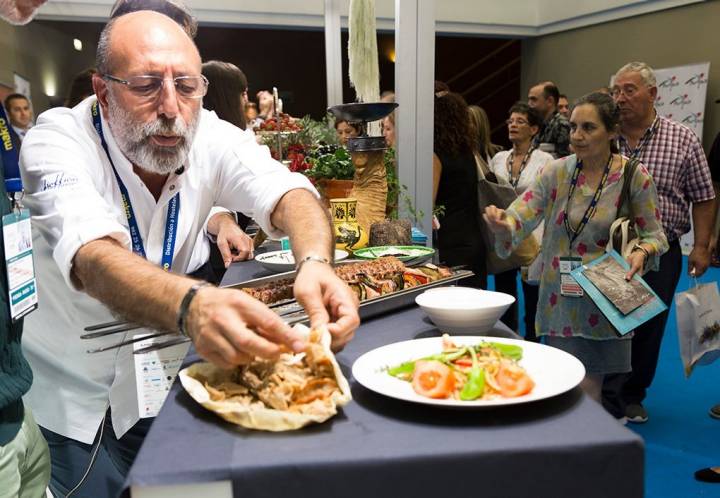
{"x": 514, "y": 182}
{"x": 10, "y": 155}
{"x": 173, "y": 211}
{"x": 635, "y": 154}
{"x": 573, "y": 233}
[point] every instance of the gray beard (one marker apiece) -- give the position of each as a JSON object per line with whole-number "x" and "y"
{"x": 135, "y": 143}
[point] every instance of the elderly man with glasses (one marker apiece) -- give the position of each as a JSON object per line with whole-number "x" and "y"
{"x": 121, "y": 188}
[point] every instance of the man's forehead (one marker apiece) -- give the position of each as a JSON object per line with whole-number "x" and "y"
{"x": 19, "y": 102}
{"x": 152, "y": 42}
{"x": 628, "y": 78}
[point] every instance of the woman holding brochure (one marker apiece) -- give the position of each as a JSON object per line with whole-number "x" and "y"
{"x": 577, "y": 197}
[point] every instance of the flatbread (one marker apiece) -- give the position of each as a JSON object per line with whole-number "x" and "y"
{"x": 315, "y": 399}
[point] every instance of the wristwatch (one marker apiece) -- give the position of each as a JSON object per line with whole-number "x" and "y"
{"x": 638, "y": 247}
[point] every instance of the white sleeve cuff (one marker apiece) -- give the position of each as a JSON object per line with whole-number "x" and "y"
{"x": 72, "y": 240}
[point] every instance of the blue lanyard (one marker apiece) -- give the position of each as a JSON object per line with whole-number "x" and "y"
{"x": 573, "y": 233}
{"x": 10, "y": 154}
{"x": 173, "y": 211}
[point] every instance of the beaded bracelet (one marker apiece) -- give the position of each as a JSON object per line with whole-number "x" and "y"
{"x": 311, "y": 257}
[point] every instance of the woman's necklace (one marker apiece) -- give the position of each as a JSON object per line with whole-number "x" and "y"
{"x": 511, "y": 158}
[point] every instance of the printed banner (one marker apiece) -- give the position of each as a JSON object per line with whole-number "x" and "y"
{"x": 681, "y": 97}
{"x": 681, "y": 94}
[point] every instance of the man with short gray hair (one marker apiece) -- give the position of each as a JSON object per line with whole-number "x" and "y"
{"x": 121, "y": 187}
{"x": 674, "y": 156}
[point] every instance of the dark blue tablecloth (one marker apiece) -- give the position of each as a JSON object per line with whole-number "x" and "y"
{"x": 567, "y": 446}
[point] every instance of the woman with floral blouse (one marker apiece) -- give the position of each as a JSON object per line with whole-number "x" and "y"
{"x": 577, "y": 197}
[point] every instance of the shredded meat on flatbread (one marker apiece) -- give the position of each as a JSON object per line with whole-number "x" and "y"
{"x": 290, "y": 383}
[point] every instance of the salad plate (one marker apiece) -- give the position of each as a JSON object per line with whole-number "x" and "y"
{"x": 403, "y": 253}
{"x": 553, "y": 371}
{"x": 281, "y": 261}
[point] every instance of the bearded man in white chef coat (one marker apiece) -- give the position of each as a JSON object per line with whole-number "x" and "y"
{"x": 121, "y": 186}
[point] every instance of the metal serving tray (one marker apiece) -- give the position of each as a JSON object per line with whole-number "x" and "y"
{"x": 369, "y": 307}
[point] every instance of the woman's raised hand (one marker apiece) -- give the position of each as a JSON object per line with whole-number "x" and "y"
{"x": 496, "y": 219}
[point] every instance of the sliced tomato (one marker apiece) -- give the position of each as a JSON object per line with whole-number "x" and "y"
{"x": 463, "y": 362}
{"x": 513, "y": 382}
{"x": 433, "y": 379}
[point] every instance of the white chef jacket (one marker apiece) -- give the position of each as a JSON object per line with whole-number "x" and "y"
{"x": 74, "y": 198}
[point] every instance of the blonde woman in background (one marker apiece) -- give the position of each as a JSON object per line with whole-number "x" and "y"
{"x": 388, "y": 129}
{"x": 480, "y": 131}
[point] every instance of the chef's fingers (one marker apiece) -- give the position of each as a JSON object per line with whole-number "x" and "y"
{"x": 271, "y": 330}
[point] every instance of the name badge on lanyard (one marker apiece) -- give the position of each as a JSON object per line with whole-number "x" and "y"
{"x": 568, "y": 285}
{"x": 173, "y": 210}
{"x": 22, "y": 287}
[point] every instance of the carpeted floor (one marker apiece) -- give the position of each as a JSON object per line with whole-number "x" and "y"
{"x": 679, "y": 436}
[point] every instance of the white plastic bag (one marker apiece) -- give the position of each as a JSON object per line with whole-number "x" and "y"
{"x": 698, "y": 323}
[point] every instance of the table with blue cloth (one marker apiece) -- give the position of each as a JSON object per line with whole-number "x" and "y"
{"x": 376, "y": 446}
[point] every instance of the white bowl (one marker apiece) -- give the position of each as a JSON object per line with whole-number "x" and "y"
{"x": 282, "y": 261}
{"x": 464, "y": 310}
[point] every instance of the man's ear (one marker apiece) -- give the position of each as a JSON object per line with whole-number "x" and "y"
{"x": 101, "y": 90}
{"x": 653, "y": 93}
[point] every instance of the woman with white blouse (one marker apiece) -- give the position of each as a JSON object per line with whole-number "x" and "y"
{"x": 519, "y": 167}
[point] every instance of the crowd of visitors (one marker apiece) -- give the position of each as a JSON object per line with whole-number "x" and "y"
{"x": 567, "y": 165}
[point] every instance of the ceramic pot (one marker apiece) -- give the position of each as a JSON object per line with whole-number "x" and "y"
{"x": 348, "y": 233}
{"x": 334, "y": 189}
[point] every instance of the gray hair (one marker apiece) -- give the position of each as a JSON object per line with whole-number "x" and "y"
{"x": 102, "y": 56}
{"x": 646, "y": 73}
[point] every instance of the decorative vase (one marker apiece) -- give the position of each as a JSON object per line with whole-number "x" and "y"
{"x": 334, "y": 189}
{"x": 348, "y": 233}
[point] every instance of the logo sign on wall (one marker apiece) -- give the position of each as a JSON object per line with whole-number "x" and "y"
{"x": 681, "y": 97}
{"x": 681, "y": 94}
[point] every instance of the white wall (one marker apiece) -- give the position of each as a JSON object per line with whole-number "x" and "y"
{"x": 512, "y": 18}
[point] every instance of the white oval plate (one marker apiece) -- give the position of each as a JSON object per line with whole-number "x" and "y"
{"x": 554, "y": 371}
{"x": 280, "y": 261}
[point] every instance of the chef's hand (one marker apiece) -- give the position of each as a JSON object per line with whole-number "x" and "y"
{"x": 233, "y": 243}
{"x": 496, "y": 219}
{"x": 698, "y": 260}
{"x": 328, "y": 301}
{"x": 230, "y": 328}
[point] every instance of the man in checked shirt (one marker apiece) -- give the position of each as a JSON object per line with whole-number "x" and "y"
{"x": 675, "y": 158}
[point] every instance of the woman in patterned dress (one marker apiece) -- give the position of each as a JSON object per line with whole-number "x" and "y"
{"x": 577, "y": 197}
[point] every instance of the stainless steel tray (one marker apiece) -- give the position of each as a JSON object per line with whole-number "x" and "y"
{"x": 369, "y": 307}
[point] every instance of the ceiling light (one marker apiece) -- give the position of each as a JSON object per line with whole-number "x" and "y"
{"x": 77, "y": 44}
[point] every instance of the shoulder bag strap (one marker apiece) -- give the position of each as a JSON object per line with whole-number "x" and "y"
{"x": 630, "y": 168}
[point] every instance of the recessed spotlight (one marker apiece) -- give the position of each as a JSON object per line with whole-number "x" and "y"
{"x": 77, "y": 44}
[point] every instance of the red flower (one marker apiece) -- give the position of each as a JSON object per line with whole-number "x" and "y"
{"x": 601, "y": 243}
{"x": 553, "y": 194}
{"x": 553, "y": 299}
{"x": 528, "y": 195}
{"x": 556, "y": 263}
{"x": 567, "y": 331}
{"x": 593, "y": 320}
{"x": 560, "y": 218}
{"x": 518, "y": 225}
{"x": 640, "y": 221}
{"x": 581, "y": 249}
{"x": 581, "y": 180}
{"x": 646, "y": 184}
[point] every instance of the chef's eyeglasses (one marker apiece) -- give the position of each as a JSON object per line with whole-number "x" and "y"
{"x": 146, "y": 86}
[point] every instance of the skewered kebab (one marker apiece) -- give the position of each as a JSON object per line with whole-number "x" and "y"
{"x": 367, "y": 279}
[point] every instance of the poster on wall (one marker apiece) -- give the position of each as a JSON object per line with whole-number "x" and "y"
{"x": 682, "y": 91}
{"x": 681, "y": 94}
{"x": 22, "y": 85}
